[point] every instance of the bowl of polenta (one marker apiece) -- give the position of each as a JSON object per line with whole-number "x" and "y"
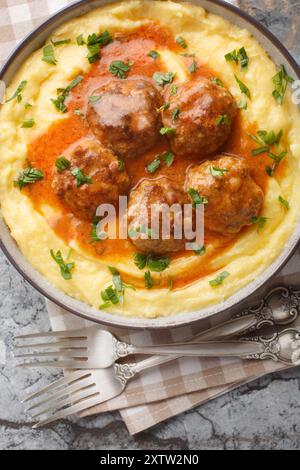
{"x": 149, "y": 160}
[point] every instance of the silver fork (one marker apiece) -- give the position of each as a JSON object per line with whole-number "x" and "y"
{"x": 82, "y": 390}
{"x": 93, "y": 348}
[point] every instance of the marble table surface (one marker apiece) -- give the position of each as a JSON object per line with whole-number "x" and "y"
{"x": 262, "y": 415}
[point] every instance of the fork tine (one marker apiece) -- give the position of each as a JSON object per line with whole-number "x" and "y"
{"x": 73, "y": 354}
{"x": 62, "y": 392}
{"x": 71, "y": 364}
{"x": 71, "y": 343}
{"x": 55, "y": 334}
{"x": 69, "y": 379}
{"x": 84, "y": 404}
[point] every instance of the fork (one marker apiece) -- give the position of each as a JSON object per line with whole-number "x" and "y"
{"x": 94, "y": 348}
{"x": 82, "y": 390}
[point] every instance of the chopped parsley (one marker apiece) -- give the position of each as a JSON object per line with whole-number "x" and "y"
{"x": 78, "y": 112}
{"x": 163, "y": 78}
{"x": 281, "y": 81}
{"x": 61, "y": 43}
{"x": 260, "y": 221}
{"x": 94, "y": 43}
{"x": 29, "y": 176}
{"x": 154, "y": 54}
{"x": 193, "y": 67}
{"x": 182, "y": 43}
{"x": 28, "y": 106}
{"x": 153, "y": 166}
{"x": 218, "y": 81}
{"x": 149, "y": 282}
{"x": 153, "y": 263}
{"x": 114, "y": 294}
{"x": 265, "y": 140}
{"x": 65, "y": 268}
{"x": 196, "y": 198}
{"x": 219, "y": 279}
{"x": 120, "y": 69}
{"x": 163, "y": 107}
{"x": 62, "y": 164}
{"x": 96, "y": 235}
{"x": 27, "y": 123}
{"x": 94, "y": 98}
{"x": 81, "y": 178}
{"x": 216, "y": 172}
{"x": 242, "y": 104}
{"x": 173, "y": 90}
{"x": 48, "y": 55}
{"x": 63, "y": 93}
{"x": 168, "y": 158}
{"x": 167, "y": 131}
{"x": 175, "y": 114}
{"x": 135, "y": 233}
{"x": 121, "y": 166}
{"x": 222, "y": 120}
{"x": 284, "y": 202}
{"x": 244, "y": 89}
{"x": 17, "y": 93}
{"x": 80, "y": 40}
{"x": 238, "y": 56}
{"x": 198, "y": 249}
{"x": 277, "y": 159}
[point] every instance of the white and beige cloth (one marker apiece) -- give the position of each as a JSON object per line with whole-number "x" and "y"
{"x": 170, "y": 389}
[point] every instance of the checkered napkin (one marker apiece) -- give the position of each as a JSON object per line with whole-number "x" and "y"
{"x": 169, "y": 389}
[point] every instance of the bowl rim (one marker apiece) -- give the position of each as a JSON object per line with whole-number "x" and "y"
{"x": 110, "y": 319}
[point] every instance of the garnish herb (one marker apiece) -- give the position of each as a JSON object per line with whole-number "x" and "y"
{"x": 94, "y": 43}
{"x": 218, "y": 81}
{"x": 168, "y": 158}
{"x": 153, "y": 263}
{"x": 78, "y": 112}
{"x": 61, "y": 43}
{"x": 196, "y": 198}
{"x": 284, "y": 202}
{"x": 48, "y": 55}
{"x": 259, "y": 150}
{"x": 97, "y": 236}
{"x": 114, "y": 294}
{"x": 198, "y": 249}
{"x": 173, "y": 90}
{"x": 281, "y": 81}
{"x": 244, "y": 89}
{"x": 222, "y": 120}
{"x": 260, "y": 222}
{"x": 167, "y": 131}
{"x": 94, "y": 98}
{"x": 62, "y": 164}
{"x": 80, "y": 41}
{"x": 65, "y": 268}
{"x": 28, "y": 123}
{"x": 17, "y": 93}
{"x": 149, "y": 283}
{"x": 110, "y": 297}
{"x": 219, "y": 279}
{"x": 59, "y": 103}
{"x": 153, "y": 166}
{"x": 242, "y": 104}
{"x": 216, "y": 172}
{"x": 193, "y": 67}
{"x": 154, "y": 54}
{"x": 266, "y": 140}
{"x": 119, "y": 68}
{"x": 163, "y": 78}
{"x": 28, "y": 106}
{"x": 182, "y": 43}
{"x": 81, "y": 178}
{"x": 29, "y": 176}
{"x": 163, "y": 107}
{"x": 239, "y": 56}
{"x": 133, "y": 233}
{"x": 277, "y": 159}
{"x": 175, "y": 114}
{"x": 121, "y": 165}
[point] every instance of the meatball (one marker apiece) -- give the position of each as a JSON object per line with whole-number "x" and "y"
{"x": 148, "y": 200}
{"x": 201, "y": 114}
{"x": 125, "y": 118}
{"x": 94, "y": 176}
{"x": 233, "y": 197}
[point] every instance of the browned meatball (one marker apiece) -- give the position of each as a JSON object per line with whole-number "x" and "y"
{"x": 201, "y": 114}
{"x": 94, "y": 177}
{"x": 148, "y": 199}
{"x": 125, "y": 119}
{"x": 233, "y": 197}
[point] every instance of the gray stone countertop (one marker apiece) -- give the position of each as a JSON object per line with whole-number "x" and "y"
{"x": 262, "y": 415}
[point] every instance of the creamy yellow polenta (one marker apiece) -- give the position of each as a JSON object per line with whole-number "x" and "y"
{"x": 210, "y": 37}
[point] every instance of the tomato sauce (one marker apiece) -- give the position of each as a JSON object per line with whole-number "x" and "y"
{"x": 45, "y": 149}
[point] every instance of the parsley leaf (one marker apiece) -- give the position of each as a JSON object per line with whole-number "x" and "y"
{"x": 154, "y": 166}
{"x": 219, "y": 279}
{"x": 175, "y": 114}
{"x": 62, "y": 164}
{"x": 94, "y": 43}
{"x": 119, "y": 68}
{"x": 284, "y": 202}
{"x": 167, "y": 131}
{"x": 281, "y": 81}
{"x": 198, "y": 249}
{"x": 154, "y": 54}
{"x": 121, "y": 166}
{"x": 168, "y": 158}
{"x": 61, "y": 43}
{"x": 65, "y": 268}
{"x": 193, "y": 67}
{"x": 140, "y": 260}
{"x": 244, "y": 89}
{"x": 182, "y": 43}
{"x": 80, "y": 41}
{"x": 196, "y": 198}
{"x": 97, "y": 236}
{"x": 162, "y": 79}
{"x": 149, "y": 283}
{"x": 154, "y": 263}
{"x": 216, "y": 172}
{"x": 260, "y": 222}
{"x": 222, "y": 120}
{"x": 218, "y": 81}
{"x": 173, "y": 90}
{"x": 59, "y": 103}
{"x": 27, "y": 123}
{"x": 239, "y": 56}
{"x": 17, "y": 93}
{"x": 81, "y": 178}
{"x": 48, "y": 55}
{"x": 94, "y": 98}
{"x": 29, "y": 176}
